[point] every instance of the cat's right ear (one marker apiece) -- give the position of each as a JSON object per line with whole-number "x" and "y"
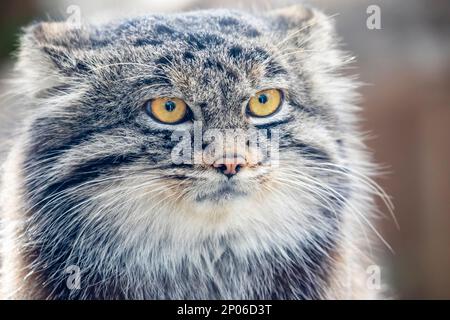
{"x": 51, "y": 53}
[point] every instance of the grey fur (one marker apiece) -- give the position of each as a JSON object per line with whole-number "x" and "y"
{"x": 94, "y": 175}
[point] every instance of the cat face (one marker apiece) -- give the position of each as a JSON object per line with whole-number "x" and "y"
{"x": 117, "y": 105}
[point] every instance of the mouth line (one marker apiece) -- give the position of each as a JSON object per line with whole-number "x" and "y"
{"x": 225, "y": 192}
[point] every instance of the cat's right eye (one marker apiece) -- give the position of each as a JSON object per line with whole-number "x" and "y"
{"x": 168, "y": 110}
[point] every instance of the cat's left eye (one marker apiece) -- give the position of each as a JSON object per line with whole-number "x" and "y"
{"x": 265, "y": 103}
{"x": 168, "y": 110}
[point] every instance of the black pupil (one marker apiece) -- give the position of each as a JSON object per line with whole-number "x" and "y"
{"x": 170, "y": 106}
{"x": 263, "y": 99}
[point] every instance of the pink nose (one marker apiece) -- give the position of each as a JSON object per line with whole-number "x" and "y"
{"x": 230, "y": 166}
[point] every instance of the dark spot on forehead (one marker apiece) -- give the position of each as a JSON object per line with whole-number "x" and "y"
{"x": 99, "y": 43}
{"x": 82, "y": 67}
{"x": 213, "y": 64}
{"x": 164, "y": 61}
{"x": 194, "y": 41}
{"x": 162, "y": 29}
{"x": 147, "y": 42}
{"x": 188, "y": 56}
{"x": 211, "y": 39}
{"x": 254, "y": 54}
{"x": 228, "y": 21}
{"x": 232, "y": 75}
{"x": 258, "y": 54}
{"x": 252, "y": 33}
{"x": 203, "y": 105}
{"x": 235, "y": 52}
{"x": 202, "y": 41}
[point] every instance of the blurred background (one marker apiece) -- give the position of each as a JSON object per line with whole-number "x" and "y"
{"x": 406, "y": 107}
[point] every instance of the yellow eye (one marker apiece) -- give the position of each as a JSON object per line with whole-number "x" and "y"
{"x": 265, "y": 103}
{"x": 167, "y": 110}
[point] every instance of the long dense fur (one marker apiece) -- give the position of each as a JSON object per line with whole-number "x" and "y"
{"x": 89, "y": 181}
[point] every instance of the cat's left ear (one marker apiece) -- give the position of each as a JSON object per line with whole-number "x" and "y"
{"x": 52, "y": 54}
{"x": 303, "y": 27}
{"x": 60, "y": 44}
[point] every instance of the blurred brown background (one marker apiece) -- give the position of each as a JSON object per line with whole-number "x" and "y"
{"x": 406, "y": 68}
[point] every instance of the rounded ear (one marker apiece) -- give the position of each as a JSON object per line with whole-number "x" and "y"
{"x": 49, "y": 54}
{"x": 303, "y": 26}
{"x": 293, "y": 16}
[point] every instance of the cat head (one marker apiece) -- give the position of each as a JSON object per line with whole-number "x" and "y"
{"x": 115, "y": 106}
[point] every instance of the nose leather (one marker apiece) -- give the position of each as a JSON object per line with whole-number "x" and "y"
{"x": 230, "y": 166}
